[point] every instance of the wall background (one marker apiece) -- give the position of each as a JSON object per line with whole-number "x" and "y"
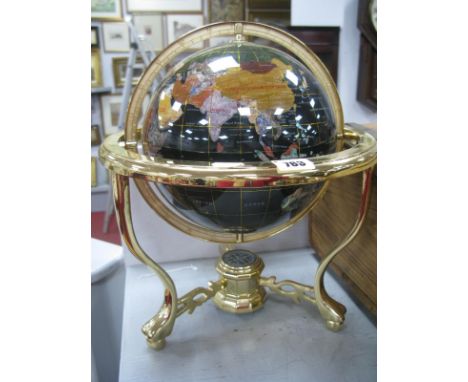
{"x": 165, "y": 243}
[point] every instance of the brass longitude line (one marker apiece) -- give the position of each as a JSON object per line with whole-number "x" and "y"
{"x": 241, "y": 210}
{"x": 253, "y": 51}
{"x": 258, "y": 60}
{"x": 209, "y": 135}
{"x": 209, "y": 118}
{"x": 194, "y": 206}
{"x": 298, "y": 131}
{"x": 272, "y": 139}
{"x": 183, "y": 123}
{"x": 214, "y": 205}
{"x": 266, "y": 208}
{"x": 240, "y": 128}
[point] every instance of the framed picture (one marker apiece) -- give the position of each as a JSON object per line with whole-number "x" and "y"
{"x": 150, "y": 26}
{"x": 270, "y": 17}
{"x": 119, "y": 69}
{"x": 96, "y": 71}
{"x": 95, "y": 135}
{"x": 164, "y": 5}
{"x": 95, "y": 110}
{"x": 177, "y": 25}
{"x": 111, "y": 105}
{"x": 106, "y": 10}
{"x": 94, "y": 37}
{"x": 116, "y": 37}
{"x": 225, "y": 10}
{"x": 93, "y": 172}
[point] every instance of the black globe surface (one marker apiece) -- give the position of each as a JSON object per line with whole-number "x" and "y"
{"x": 239, "y": 102}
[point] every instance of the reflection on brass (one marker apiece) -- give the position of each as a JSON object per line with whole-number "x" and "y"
{"x": 240, "y": 288}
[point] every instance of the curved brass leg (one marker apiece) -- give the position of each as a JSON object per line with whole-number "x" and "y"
{"x": 160, "y": 326}
{"x": 332, "y": 311}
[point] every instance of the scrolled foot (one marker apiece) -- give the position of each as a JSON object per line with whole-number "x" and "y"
{"x": 332, "y": 312}
{"x": 156, "y": 344}
{"x": 334, "y": 326}
{"x": 159, "y": 327}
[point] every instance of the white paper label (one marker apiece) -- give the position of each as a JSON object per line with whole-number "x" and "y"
{"x": 293, "y": 165}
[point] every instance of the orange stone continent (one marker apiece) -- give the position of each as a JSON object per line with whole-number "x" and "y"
{"x": 181, "y": 92}
{"x": 269, "y": 90}
{"x": 166, "y": 113}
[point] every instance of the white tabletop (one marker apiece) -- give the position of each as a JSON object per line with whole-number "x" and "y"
{"x": 283, "y": 341}
{"x": 105, "y": 258}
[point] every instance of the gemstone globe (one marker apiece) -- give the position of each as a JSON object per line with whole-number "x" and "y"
{"x": 240, "y": 102}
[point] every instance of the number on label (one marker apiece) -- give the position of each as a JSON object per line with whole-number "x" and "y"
{"x": 294, "y": 165}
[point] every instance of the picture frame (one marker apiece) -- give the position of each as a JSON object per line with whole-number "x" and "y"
{"x": 179, "y": 24}
{"x": 226, "y": 10}
{"x": 96, "y": 69}
{"x": 272, "y": 12}
{"x": 116, "y": 37}
{"x": 95, "y": 135}
{"x": 95, "y": 110}
{"x": 110, "y": 108}
{"x": 151, "y": 26}
{"x": 93, "y": 171}
{"x": 94, "y": 37}
{"x": 271, "y": 17}
{"x": 106, "y": 10}
{"x": 164, "y": 6}
{"x": 119, "y": 68}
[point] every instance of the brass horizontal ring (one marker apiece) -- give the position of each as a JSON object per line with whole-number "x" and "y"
{"x": 361, "y": 155}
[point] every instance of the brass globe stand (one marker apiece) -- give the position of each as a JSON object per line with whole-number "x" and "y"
{"x": 241, "y": 288}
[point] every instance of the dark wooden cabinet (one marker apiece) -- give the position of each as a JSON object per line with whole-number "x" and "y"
{"x": 323, "y": 41}
{"x": 367, "y": 77}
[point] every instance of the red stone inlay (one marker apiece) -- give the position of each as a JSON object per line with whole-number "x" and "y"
{"x": 257, "y": 67}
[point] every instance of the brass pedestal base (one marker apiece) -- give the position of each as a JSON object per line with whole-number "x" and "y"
{"x": 240, "y": 279}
